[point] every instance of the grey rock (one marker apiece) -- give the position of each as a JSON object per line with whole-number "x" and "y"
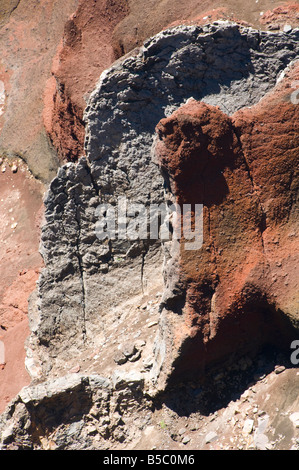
{"x": 182, "y": 431}
{"x": 211, "y": 437}
{"x": 86, "y": 279}
{"x": 222, "y": 64}
{"x": 279, "y": 369}
{"x": 120, "y": 358}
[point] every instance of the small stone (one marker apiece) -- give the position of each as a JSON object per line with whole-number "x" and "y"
{"x": 245, "y": 395}
{"x": 152, "y": 323}
{"x": 119, "y": 358}
{"x": 14, "y": 168}
{"x": 294, "y": 417}
{"x": 140, "y": 343}
{"x": 186, "y": 439}
{"x": 279, "y": 369}
{"x": 135, "y": 357}
{"x": 273, "y": 27}
{"x": 148, "y": 362}
{"x": 287, "y": 28}
{"x": 75, "y": 369}
{"x": 248, "y": 426}
{"x": 211, "y": 437}
{"x": 182, "y": 431}
{"x": 258, "y": 377}
{"x": 7, "y": 433}
{"x": 91, "y": 429}
{"x": 128, "y": 350}
{"x": 194, "y": 427}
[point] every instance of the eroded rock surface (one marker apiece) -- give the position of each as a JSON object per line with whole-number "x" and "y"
{"x": 240, "y": 290}
{"x": 88, "y": 286}
{"x": 84, "y": 279}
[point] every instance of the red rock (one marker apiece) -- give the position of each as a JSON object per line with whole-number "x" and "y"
{"x": 281, "y": 15}
{"x": 244, "y": 170}
{"x": 98, "y": 33}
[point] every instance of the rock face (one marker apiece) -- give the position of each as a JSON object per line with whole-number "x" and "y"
{"x": 53, "y": 52}
{"x": 240, "y": 290}
{"x": 98, "y": 33}
{"x": 86, "y": 279}
{"x": 187, "y": 118}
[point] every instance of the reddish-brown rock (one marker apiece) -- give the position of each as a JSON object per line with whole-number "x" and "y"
{"x": 21, "y": 209}
{"x": 100, "y": 32}
{"x": 240, "y": 290}
{"x": 85, "y": 50}
{"x": 286, "y": 14}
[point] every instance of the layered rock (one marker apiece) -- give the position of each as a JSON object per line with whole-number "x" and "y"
{"x": 52, "y": 54}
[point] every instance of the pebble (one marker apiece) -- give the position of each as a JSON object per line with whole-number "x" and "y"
{"x": 294, "y": 417}
{"x": 273, "y": 27}
{"x": 279, "y": 369}
{"x": 186, "y": 440}
{"x": 248, "y": 426}
{"x": 128, "y": 349}
{"x": 140, "y": 343}
{"x": 135, "y": 356}
{"x": 287, "y": 28}
{"x": 119, "y": 358}
{"x": 211, "y": 437}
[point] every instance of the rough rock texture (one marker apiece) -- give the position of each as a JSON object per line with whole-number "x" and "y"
{"x": 100, "y": 32}
{"x": 85, "y": 50}
{"x": 88, "y": 287}
{"x": 86, "y": 280}
{"x": 75, "y": 412}
{"x": 53, "y": 52}
{"x": 282, "y": 16}
{"x": 240, "y": 291}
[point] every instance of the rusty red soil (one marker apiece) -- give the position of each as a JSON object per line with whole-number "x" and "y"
{"x": 21, "y": 210}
